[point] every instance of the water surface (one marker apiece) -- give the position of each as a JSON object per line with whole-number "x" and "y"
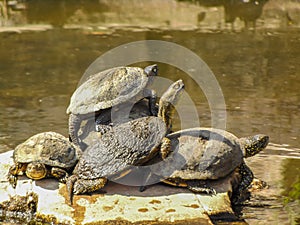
{"x": 258, "y": 72}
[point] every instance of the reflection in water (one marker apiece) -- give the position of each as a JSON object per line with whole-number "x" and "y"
{"x": 55, "y": 13}
{"x": 291, "y": 187}
{"x": 247, "y": 10}
{"x": 206, "y": 15}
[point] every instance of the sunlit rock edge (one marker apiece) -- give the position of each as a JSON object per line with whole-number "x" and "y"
{"x": 108, "y": 208}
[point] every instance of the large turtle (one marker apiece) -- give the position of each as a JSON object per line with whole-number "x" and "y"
{"x": 124, "y": 145}
{"x": 44, "y": 154}
{"x": 90, "y": 131}
{"x": 199, "y": 154}
{"x": 107, "y": 89}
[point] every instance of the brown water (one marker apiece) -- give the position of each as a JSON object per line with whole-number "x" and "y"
{"x": 259, "y": 74}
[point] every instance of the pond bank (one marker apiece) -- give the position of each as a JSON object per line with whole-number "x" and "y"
{"x": 205, "y": 16}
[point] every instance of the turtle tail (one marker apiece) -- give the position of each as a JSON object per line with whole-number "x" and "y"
{"x": 70, "y": 187}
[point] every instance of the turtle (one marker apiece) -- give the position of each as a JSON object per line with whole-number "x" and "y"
{"x": 125, "y": 145}
{"x": 88, "y": 129}
{"x": 199, "y": 154}
{"x": 107, "y": 89}
{"x": 46, "y": 154}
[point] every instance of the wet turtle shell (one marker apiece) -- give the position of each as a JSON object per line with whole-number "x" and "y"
{"x": 44, "y": 154}
{"x": 207, "y": 153}
{"x": 131, "y": 143}
{"x": 89, "y": 131}
{"x": 125, "y": 145}
{"x": 109, "y": 88}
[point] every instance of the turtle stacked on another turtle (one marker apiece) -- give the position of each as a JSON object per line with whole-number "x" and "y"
{"x": 108, "y": 89}
{"x": 188, "y": 158}
{"x": 123, "y": 146}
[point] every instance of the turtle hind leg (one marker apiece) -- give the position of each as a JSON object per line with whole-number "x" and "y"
{"x": 83, "y": 186}
{"x": 246, "y": 177}
{"x": 70, "y": 187}
{"x": 75, "y": 185}
{"x": 200, "y": 187}
{"x": 74, "y": 125}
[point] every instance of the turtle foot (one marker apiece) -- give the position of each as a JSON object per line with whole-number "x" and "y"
{"x": 206, "y": 190}
{"x": 82, "y": 186}
{"x": 12, "y": 179}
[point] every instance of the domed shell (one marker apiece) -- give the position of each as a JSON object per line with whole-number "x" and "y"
{"x": 107, "y": 88}
{"x": 130, "y": 143}
{"x": 201, "y": 153}
{"x": 50, "y": 148}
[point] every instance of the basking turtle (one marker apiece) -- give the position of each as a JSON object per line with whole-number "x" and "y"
{"x": 124, "y": 145}
{"x": 108, "y": 89}
{"x": 44, "y": 154}
{"x": 89, "y": 131}
{"x": 198, "y": 154}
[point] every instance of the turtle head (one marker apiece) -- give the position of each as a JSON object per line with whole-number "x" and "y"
{"x": 151, "y": 70}
{"x": 254, "y": 144}
{"x": 36, "y": 170}
{"x": 168, "y": 100}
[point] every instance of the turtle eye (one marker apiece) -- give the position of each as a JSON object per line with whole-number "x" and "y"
{"x": 151, "y": 70}
{"x": 154, "y": 70}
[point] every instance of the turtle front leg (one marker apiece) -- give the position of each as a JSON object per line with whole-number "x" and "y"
{"x": 151, "y": 95}
{"x": 165, "y": 147}
{"x": 13, "y": 173}
{"x": 246, "y": 177}
{"x": 74, "y": 126}
{"x": 59, "y": 174}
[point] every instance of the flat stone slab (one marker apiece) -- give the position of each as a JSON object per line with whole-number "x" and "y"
{"x": 115, "y": 204}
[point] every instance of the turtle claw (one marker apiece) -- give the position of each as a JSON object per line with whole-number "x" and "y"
{"x": 12, "y": 180}
{"x": 70, "y": 186}
{"x": 206, "y": 190}
{"x": 142, "y": 188}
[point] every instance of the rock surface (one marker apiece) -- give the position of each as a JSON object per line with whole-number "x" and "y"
{"x": 115, "y": 204}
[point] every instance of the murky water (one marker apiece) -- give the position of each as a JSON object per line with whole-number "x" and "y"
{"x": 259, "y": 74}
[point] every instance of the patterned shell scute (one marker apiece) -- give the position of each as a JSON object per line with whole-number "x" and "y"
{"x": 202, "y": 153}
{"x": 127, "y": 144}
{"x": 50, "y": 148}
{"x": 107, "y": 89}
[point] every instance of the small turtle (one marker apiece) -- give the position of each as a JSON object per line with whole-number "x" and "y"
{"x": 44, "y": 154}
{"x": 124, "y": 145}
{"x": 108, "y": 89}
{"x": 198, "y": 154}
